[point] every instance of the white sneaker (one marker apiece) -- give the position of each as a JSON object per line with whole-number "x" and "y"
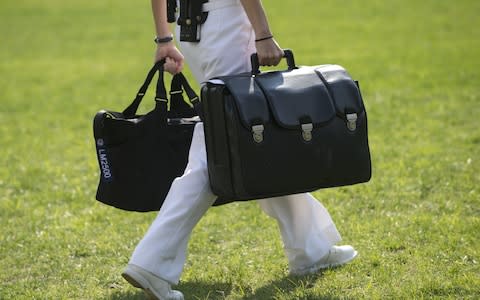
{"x": 336, "y": 256}
{"x": 155, "y": 287}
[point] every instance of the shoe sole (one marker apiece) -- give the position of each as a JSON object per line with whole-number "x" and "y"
{"x": 338, "y": 264}
{"x": 145, "y": 286}
{"x": 317, "y": 268}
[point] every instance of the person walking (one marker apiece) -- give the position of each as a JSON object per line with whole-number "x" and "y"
{"x": 233, "y": 30}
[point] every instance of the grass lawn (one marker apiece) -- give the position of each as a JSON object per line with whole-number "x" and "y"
{"x": 415, "y": 224}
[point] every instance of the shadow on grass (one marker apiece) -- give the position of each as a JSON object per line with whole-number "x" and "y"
{"x": 127, "y": 295}
{"x": 293, "y": 286}
{"x": 297, "y": 287}
{"x": 191, "y": 290}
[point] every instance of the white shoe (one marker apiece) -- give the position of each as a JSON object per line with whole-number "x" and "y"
{"x": 336, "y": 256}
{"x": 155, "y": 287}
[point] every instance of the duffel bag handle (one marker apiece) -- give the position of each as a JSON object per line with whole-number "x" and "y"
{"x": 287, "y": 53}
{"x": 131, "y": 110}
{"x": 178, "y": 106}
{"x": 178, "y": 81}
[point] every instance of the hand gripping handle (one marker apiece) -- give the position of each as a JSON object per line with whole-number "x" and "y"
{"x": 287, "y": 53}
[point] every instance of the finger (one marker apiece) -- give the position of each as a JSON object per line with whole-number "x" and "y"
{"x": 264, "y": 60}
{"x": 158, "y": 57}
{"x": 177, "y": 56}
{"x": 277, "y": 57}
{"x": 179, "y": 66}
{"x": 171, "y": 70}
{"x": 176, "y": 65}
{"x": 276, "y": 60}
{"x": 170, "y": 66}
{"x": 269, "y": 61}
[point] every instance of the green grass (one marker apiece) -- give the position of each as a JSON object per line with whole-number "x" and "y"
{"x": 415, "y": 223}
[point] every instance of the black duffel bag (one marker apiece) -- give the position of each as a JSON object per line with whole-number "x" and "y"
{"x": 284, "y": 132}
{"x": 140, "y": 155}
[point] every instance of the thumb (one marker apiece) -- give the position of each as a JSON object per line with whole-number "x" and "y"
{"x": 172, "y": 66}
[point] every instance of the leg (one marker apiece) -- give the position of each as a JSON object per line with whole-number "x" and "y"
{"x": 307, "y": 229}
{"x": 162, "y": 252}
{"x": 163, "y": 249}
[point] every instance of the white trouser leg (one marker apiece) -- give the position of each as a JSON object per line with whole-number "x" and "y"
{"x": 163, "y": 249}
{"x": 306, "y": 227}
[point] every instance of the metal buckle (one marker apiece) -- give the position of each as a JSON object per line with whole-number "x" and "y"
{"x": 307, "y": 131}
{"x": 257, "y": 132}
{"x": 352, "y": 121}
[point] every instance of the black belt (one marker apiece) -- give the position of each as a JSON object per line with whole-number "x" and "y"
{"x": 190, "y": 19}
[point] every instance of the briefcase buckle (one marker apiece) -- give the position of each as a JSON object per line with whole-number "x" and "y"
{"x": 352, "y": 121}
{"x": 307, "y": 131}
{"x": 257, "y": 132}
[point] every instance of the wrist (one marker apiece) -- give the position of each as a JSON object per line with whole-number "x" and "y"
{"x": 267, "y": 37}
{"x": 163, "y": 39}
{"x": 263, "y": 32}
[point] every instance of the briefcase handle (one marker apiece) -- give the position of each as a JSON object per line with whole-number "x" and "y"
{"x": 287, "y": 53}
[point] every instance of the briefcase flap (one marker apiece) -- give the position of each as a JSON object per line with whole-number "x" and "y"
{"x": 343, "y": 89}
{"x": 295, "y": 97}
{"x": 249, "y": 99}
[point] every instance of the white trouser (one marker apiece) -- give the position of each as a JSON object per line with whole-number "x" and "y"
{"x": 307, "y": 230}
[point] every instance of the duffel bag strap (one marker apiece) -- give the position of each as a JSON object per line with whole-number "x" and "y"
{"x": 178, "y": 107}
{"x": 131, "y": 110}
{"x": 192, "y": 96}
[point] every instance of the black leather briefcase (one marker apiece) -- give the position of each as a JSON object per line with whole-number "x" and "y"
{"x": 284, "y": 132}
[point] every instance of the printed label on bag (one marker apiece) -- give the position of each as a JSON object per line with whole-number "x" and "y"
{"x": 103, "y": 161}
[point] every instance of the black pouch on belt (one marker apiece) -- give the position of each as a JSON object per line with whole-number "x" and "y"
{"x": 171, "y": 10}
{"x": 190, "y": 19}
